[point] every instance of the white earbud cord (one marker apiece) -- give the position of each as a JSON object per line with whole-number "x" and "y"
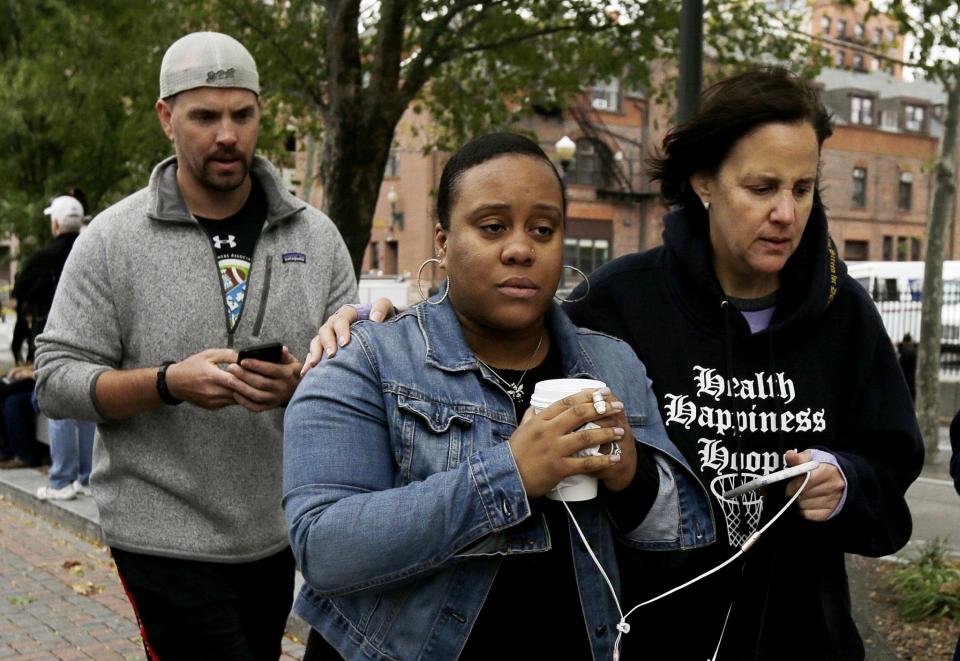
{"x": 622, "y": 626}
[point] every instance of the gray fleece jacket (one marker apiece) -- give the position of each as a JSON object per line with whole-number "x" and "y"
{"x": 142, "y": 286}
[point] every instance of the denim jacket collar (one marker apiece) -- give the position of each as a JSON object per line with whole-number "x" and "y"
{"x": 447, "y": 349}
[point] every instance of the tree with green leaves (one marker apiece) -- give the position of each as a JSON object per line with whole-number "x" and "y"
{"x": 76, "y": 104}
{"x": 935, "y": 24}
{"x": 350, "y": 69}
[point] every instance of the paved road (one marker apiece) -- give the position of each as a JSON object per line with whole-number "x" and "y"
{"x": 60, "y": 597}
{"x": 934, "y": 503}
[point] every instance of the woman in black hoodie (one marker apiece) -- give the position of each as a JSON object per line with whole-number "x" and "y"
{"x": 763, "y": 354}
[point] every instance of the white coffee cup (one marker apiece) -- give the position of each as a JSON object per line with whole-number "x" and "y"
{"x": 545, "y": 393}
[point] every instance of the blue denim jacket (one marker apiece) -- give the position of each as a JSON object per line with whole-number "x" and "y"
{"x": 402, "y": 496}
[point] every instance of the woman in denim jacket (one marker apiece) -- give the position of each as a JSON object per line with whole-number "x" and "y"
{"x": 415, "y": 500}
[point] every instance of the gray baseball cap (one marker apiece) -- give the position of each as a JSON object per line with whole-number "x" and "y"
{"x": 207, "y": 59}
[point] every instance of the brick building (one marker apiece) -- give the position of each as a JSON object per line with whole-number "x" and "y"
{"x": 854, "y": 41}
{"x": 876, "y": 176}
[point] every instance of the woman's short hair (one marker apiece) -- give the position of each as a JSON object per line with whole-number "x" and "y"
{"x": 480, "y": 150}
{"x": 728, "y": 111}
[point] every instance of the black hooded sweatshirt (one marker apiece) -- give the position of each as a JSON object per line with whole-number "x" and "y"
{"x": 822, "y": 375}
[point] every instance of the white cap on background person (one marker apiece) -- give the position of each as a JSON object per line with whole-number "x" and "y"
{"x": 67, "y": 211}
{"x": 207, "y": 59}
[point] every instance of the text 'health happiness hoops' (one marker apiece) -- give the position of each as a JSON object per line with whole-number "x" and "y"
{"x": 622, "y": 626}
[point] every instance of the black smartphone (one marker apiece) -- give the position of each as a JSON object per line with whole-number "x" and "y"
{"x": 270, "y": 352}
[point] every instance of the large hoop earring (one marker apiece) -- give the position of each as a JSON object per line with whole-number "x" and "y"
{"x": 585, "y": 279}
{"x": 426, "y": 299}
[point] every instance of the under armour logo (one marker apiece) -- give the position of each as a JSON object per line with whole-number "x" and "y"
{"x": 229, "y": 241}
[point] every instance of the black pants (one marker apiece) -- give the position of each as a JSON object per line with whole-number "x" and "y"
{"x": 190, "y": 609}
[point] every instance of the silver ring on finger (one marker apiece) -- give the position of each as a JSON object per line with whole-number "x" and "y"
{"x": 615, "y": 448}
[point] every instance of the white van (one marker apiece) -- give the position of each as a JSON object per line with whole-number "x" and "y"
{"x": 897, "y": 290}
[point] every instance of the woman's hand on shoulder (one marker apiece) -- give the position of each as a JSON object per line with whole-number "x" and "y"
{"x": 545, "y": 445}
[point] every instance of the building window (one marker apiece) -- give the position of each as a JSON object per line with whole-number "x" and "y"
{"x": 887, "y": 248}
{"x": 290, "y": 141}
{"x": 825, "y": 24}
{"x": 915, "y": 249}
{"x": 393, "y": 163}
{"x": 842, "y": 28}
{"x": 877, "y": 36}
{"x": 587, "y": 167}
{"x": 905, "y": 191}
{"x": 859, "y": 198}
{"x": 861, "y": 110}
{"x": 891, "y": 38}
{"x": 858, "y": 61}
{"x": 838, "y": 58}
{"x": 858, "y": 31}
{"x": 606, "y": 96}
{"x": 586, "y": 255}
{"x": 913, "y": 118}
{"x": 856, "y": 250}
{"x": 903, "y": 245}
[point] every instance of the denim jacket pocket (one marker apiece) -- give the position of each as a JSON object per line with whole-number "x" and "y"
{"x": 434, "y": 436}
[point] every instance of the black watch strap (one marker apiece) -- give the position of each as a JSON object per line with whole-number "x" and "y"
{"x": 162, "y": 388}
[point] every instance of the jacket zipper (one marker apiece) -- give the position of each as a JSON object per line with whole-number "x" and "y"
{"x": 258, "y": 324}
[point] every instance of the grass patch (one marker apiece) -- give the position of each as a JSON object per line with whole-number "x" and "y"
{"x": 927, "y": 586}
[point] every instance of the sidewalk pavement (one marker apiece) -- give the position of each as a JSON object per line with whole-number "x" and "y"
{"x": 62, "y": 598}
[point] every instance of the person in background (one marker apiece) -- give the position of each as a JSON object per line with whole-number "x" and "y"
{"x": 71, "y": 441}
{"x": 156, "y": 297}
{"x": 415, "y": 473}
{"x": 19, "y": 447}
{"x": 907, "y": 354}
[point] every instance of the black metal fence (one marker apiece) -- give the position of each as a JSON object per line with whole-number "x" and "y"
{"x": 899, "y": 302}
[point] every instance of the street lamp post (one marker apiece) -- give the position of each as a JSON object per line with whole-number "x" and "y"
{"x": 566, "y": 150}
{"x": 396, "y": 217}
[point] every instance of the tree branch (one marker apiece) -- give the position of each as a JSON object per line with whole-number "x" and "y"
{"x": 315, "y": 95}
{"x": 420, "y": 71}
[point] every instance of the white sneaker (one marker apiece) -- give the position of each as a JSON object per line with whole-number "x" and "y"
{"x": 80, "y": 489}
{"x": 49, "y": 493}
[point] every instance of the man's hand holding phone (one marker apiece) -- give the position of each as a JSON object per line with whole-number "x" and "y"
{"x": 265, "y": 377}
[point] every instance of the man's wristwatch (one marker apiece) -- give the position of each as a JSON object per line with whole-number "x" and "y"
{"x": 162, "y": 388}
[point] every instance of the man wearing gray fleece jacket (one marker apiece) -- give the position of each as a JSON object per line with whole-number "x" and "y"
{"x": 157, "y": 295}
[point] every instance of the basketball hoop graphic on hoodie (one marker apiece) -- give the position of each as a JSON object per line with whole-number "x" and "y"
{"x": 757, "y": 407}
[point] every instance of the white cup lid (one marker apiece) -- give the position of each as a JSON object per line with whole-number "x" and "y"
{"x": 549, "y": 391}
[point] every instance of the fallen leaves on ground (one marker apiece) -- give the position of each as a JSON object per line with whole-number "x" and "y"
{"x": 87, "y": 588}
